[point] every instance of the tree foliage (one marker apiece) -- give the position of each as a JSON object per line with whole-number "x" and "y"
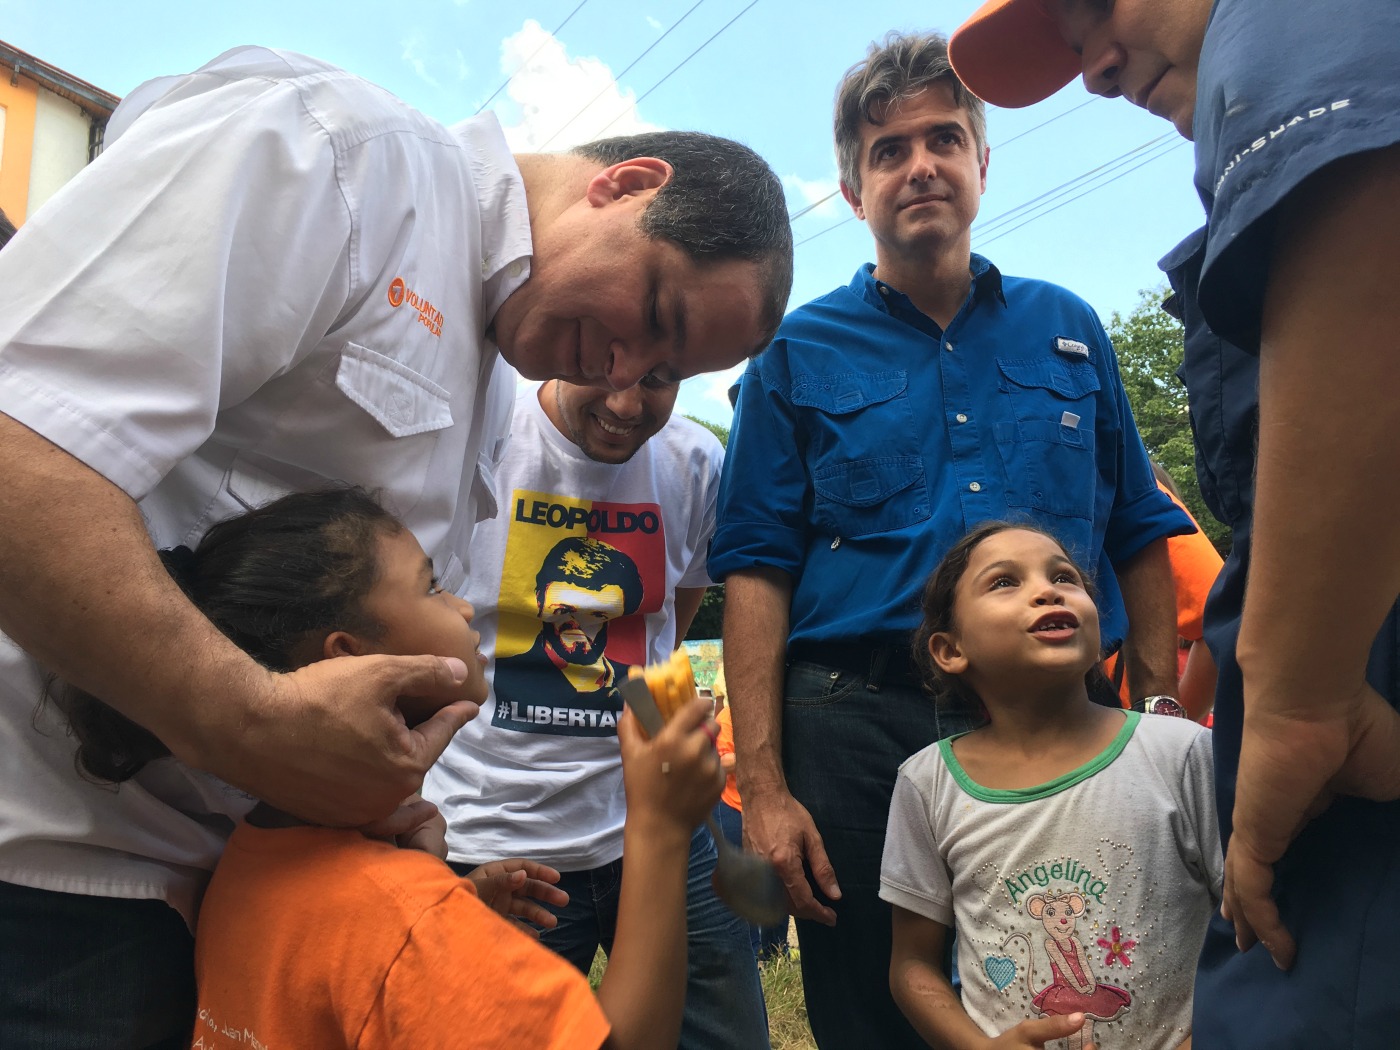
{"x": 709, "y": 618}
{"x": 1150, "y": 344}
{"x": 718, "y": 431}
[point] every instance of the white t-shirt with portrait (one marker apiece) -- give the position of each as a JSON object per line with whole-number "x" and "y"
{"x": 573, "y": 582}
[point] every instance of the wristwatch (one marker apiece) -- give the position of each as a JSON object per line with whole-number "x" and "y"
{"x": 1160, "y": 705}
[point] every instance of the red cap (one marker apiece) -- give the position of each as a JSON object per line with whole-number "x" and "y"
{"x": 1010, "y": 53}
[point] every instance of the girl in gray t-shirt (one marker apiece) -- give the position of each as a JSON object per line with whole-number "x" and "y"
{"x": 1074, "y": 847}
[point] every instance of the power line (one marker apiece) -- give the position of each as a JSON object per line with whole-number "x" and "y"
{"x": 1001, "y": 145}
{"x": 1057, "y": 116}
{"x": 1048, "y": 196}
{"x": 537, "y": 50}
{"x": 678, "y": 66}
{"x": 619, "y": 76}
{"x": 848, "y": 218}
{"x": 1074, "y": 183}
{"x": 1158, "y": 156}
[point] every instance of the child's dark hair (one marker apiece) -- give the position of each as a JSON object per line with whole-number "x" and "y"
{"x": 294, "y": 570}
{"x": 937, "y": 602}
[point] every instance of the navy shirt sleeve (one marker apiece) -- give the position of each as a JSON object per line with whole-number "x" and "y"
{"x": 1285, "y": 87}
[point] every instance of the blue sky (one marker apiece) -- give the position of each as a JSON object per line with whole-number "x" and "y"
{"x": 767, "y": 79}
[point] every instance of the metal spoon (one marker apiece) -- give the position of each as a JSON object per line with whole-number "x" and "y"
{"x": 744, "y": 881}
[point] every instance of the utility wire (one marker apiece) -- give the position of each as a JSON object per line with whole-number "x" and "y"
{"x": 1052, "y": 195}
{"x": 1074, "y": 183}
{"x": 537, "y": 50}
{"x": 1000, "y": 145}
{"x": 619, "y": 76}
{"x": 678, "y": 66}
{"x": 1158, "y": 156}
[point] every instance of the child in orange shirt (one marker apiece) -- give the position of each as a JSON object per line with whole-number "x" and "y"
{"x": 321, "y": 937}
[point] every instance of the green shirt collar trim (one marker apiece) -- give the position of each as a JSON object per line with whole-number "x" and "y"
{"x": 1032, "y": 794}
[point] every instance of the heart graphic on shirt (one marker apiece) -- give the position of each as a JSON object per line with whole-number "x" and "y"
{"x": 1000, "y": 970}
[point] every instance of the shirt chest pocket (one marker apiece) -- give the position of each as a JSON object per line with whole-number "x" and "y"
{"x": 1048, "y": 448}
{"x": 867, "y": 476}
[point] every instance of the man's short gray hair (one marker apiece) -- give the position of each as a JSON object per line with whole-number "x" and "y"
{"x": 897, "y": 68}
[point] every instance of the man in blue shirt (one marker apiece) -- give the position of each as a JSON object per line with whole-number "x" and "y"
{"x": 887, "y": 418}
{"x": 1291, "y": 364}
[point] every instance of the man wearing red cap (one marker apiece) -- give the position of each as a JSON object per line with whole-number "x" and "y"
{"x": 1291, "y": 362}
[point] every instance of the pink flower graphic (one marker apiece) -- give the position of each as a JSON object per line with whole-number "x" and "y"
{"x": 1117, "y": 948}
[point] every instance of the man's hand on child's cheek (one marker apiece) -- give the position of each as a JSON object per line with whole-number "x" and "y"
{"x": 512, "y": 888}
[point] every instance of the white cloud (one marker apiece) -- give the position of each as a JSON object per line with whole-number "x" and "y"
{"x": 463, "y": 70}
{"x": 653, "y": 22}
{"x": 551, "y": 88}
{"x": 803, "y": 193}
{"x": 707, "y": 395}
{"x": 409, "y": 55}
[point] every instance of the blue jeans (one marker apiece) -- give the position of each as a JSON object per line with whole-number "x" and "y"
{"x": 766, "y": 940}
{"x": 844, "y": 737}
{"x": 93, "y": 973}
{"x": 723, "y": 998}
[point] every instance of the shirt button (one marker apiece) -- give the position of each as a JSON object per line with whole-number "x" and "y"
{"x": 486, "y": 267}
{"x": 976, "y": 486}
{"x": 961, "y": 417}
{"x": 516, "y": 268}
{"x": 947, "y": 346}
{"x": 884, "y": 289}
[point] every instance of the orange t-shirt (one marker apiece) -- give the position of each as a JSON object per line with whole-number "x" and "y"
{"x": 1195, "y": 564}
{"x": 319, "y": 937}
{"x": 724, "y": 744}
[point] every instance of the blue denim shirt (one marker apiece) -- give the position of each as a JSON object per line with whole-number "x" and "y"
{"x": 866, "y": 441}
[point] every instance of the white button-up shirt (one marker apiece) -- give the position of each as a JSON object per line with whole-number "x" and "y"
{"x": 269, "y": 280}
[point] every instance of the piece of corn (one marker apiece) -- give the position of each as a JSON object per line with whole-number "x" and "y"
{"x": 671, "y": 683}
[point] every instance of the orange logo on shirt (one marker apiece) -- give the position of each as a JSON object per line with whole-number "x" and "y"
{"x": 429, "y": 316}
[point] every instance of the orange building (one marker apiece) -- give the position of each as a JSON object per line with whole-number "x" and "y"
{"x": 51, "y": 125}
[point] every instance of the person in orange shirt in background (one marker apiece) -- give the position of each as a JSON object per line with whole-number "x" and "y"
{"x": 1195, "y": 564}
{"x": 729, "y": 815}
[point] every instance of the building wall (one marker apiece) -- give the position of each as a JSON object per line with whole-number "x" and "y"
{"x": 61, "y": 132}
{"x": 19, "y": 102}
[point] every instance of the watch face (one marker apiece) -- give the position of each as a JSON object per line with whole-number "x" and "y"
{"x": 1163, "y": 705}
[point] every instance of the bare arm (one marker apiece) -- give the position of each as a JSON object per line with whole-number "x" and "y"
{"x": 1149, "y": 597}
{"x": 928, "y": 1000}
{"x": 756, "y": 604}
{"x": 688, "y": 601}
{"x": 83, "y": 591}
{"x": 1326, "y": 556}
{"x": 1197, "y": 689}
{"x": 672, "y": 783}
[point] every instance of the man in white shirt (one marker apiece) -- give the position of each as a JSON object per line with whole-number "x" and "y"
{"x": 597, "y": 562}
{"x": 278, "y": 275}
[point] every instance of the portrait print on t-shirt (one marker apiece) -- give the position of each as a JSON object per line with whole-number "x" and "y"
{"x": 578, "y": 578}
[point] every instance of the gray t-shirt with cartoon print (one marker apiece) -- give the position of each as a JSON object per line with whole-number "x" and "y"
{"x": 1091, "y": 892}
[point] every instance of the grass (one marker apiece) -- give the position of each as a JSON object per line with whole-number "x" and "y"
{"x": 781, "y": 977}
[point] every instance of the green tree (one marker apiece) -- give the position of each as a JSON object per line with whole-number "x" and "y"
{"x": 1150, "y": 344}
{"x": 721, "y": 432}
{"x": 709, "y": 618}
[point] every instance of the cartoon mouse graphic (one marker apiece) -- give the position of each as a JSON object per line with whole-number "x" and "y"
{"x": 1072, "y": 987}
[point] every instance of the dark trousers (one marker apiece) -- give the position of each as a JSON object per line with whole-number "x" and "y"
{"x": 93, "y": 973}
{"x": 767, "y": 941}
{"x": 844, "y": 737}
{"x": 724, "y": 1007}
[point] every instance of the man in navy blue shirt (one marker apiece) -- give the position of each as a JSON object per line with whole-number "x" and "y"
{"x": 887, "y": 418}
{"x": 1293, "y": 372}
